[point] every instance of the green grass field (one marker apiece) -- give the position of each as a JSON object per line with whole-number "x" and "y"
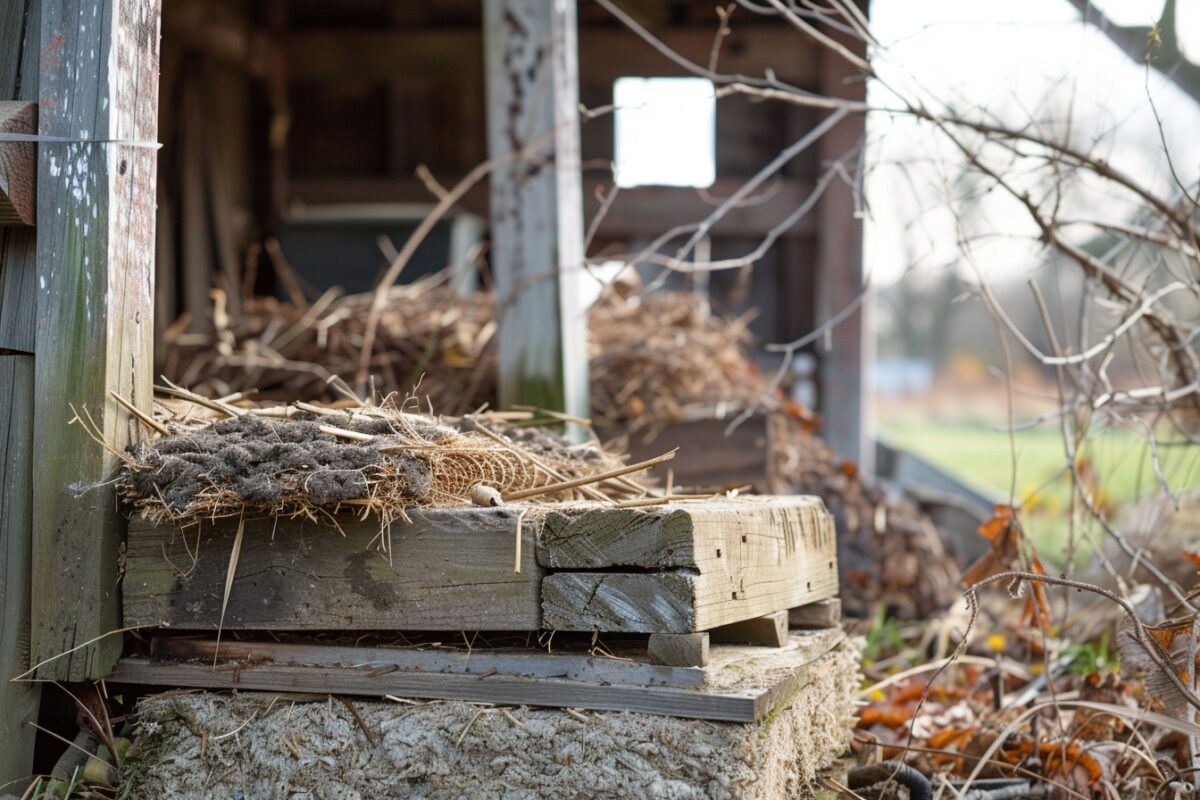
{"x": 982, "y": 456}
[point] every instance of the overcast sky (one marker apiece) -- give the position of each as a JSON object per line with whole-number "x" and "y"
{"x": 1013, "y": 58}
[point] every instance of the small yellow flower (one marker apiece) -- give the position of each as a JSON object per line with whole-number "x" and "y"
{"x": 996, "y": 642}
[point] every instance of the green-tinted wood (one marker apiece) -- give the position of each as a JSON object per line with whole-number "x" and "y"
{"x": 18, "y": 302}
{"x": 95, "y": 244}
{"x": 536, "y": 203}
{"x": 18, "y": 701}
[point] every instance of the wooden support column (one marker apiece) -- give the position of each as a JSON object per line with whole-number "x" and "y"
{"x": 19, "y": 702}
{"x": 95, "y": 287}
{"x": 537, "y": 202}
{"x": 840, "y": 274}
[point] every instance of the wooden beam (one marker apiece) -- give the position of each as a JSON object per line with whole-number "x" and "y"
{"x": 679, "y": 649}
{"x": 19, "y": 702}
{"x": 536, "y": 203}
{"x": 843, "y": 400}
{"x": 18, "y": 164}
{"x": 716, "y": 535}
{"x": 769, "y": 630}
{"x": 480, "y": 661}
{"x": 816, "y": 616}
{"x": 95, "y": 267}
{"x": 332, "y": 55}
{"x": 646, "y": 211}
{"x": 451, "y": 570}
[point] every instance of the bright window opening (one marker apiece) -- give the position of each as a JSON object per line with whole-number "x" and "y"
{"x": 665, "y": 132}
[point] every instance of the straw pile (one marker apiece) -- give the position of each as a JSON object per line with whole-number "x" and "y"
{"x": 654, "y": 360}
{"x": 371, "y": 459}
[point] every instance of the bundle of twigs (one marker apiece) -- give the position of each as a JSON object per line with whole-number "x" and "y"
{"x": 303, "y": 459}
{"x": 654, "y": 359}
{"x": 661, "y": 358}
{"x": 290, "y": 351}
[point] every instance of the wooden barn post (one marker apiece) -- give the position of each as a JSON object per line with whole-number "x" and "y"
{"x": 843, "y": 398}
{"x": 537, "y": 202}
{"x": 18, "y": 701}
{"x": 95, "y": 298}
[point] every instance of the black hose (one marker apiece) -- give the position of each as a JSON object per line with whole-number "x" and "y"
{"x": 917, "y": 784}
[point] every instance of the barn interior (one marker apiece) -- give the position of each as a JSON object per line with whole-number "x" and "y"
{"x": 305, "y": 131}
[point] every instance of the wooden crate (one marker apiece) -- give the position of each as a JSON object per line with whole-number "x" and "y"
{"x": 674, "y": 569}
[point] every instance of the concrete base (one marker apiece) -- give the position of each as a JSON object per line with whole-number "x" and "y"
{"x": 253, "y": 745}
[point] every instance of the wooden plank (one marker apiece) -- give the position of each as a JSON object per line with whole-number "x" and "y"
{"x": 740, "y": 684}
{"x": 536, "y": 205}
{"x": 645, "y": 211}
{"x": 95, "y": 259}
{"x": 479, "y": 661}
{"x": 816, "y": 616}
{"x": 769, "y": 630}
{"x": 451, "y": 569}
{"x": 498, "y": 689}
{"x": 18, "y": 164}
{"x": 747, "y": 532}
{"x": 18, "y": 701}
{"x": 679, "y": 649}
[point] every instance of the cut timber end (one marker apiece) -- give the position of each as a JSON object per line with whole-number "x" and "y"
{"x": 770, "y": 630}
{"x": 719, "y": 562}
{"x": 696, "y": 535}
{"x": 678, "y": 649}
{"x": 18, "y": 165}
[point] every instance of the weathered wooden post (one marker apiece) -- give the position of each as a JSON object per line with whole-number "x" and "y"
{"x": 18, "y": 701}
{"x": 95, "y": 299}
{"x": 840, "y": 279}
{"x": 537, "y": 202}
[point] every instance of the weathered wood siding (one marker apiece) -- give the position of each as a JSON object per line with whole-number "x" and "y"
{"x": 18, "y": 701}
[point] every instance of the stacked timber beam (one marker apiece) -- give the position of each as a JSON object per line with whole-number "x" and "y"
{"x": 677, "y": 568}
{"x": 725, "y": 571}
